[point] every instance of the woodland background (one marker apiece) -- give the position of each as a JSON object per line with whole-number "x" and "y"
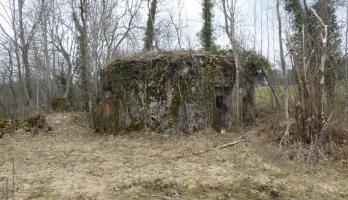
{"x": 55, "y": 49}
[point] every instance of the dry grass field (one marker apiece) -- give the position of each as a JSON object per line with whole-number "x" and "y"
{"x": 72, "y": 162}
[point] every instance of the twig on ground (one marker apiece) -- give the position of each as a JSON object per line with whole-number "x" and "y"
{"x": 158, "y": 196}
{"x": 240, "y": 140}
{"x": 201, "y": 151}
{"x": 230, "y": 144}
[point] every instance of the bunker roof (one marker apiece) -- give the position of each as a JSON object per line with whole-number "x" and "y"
{"x": 169, "y": 58}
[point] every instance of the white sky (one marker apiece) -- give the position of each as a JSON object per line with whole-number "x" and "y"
{"x": 245, "y": 23}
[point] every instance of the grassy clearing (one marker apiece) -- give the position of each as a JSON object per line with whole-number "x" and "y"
{"x": 265, "y": 102}
{"x": 73, "y": 163}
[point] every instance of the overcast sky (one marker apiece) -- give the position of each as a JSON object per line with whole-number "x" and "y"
{"x": 191, "y": 16}
{"x": 245, "y": 23}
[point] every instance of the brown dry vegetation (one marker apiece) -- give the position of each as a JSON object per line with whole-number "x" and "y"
{"x": 71, "y": 162}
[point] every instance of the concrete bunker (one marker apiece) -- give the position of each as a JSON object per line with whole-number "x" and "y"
{"x": 167, "y": 92}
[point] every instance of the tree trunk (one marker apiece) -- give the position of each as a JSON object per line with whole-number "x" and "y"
{"x": 255, "y": 16}
{"x": 27, "y": 70}
{"x": 84, "y": 68}
{"x": 346, "y": 61}
{"x": 68, "y": 77}
{"x": 10, "y": 63}
{"x": 84, "y": 64}
{"x": 53, "y": 28}
{"x": 44, "y": 22}
{"x": 150, "y": 27}
{"x": 282, "y": 59}
{"x": 16, "y": 45}
{"x": 230, "y": 18}
{"x": 25, "y": 53}
{"x": 320, "y": 90}
{"x": 207, "y": 39}
{"x": 261, "y": 24}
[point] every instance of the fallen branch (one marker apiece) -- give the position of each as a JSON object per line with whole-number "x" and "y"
{"x": 230, "y": 144}
{"x": 200, "y": 152}
{"x": 158, "y": 196}
{"x": 240, "y": 140}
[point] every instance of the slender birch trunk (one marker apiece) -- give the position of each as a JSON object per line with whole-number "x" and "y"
{"x": 321, "y": 87}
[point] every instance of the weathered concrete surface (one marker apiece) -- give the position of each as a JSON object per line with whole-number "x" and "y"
{"x": 167, "y": 92}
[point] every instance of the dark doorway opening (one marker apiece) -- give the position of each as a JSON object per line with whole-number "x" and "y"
{"x": 220, "y": 111}
{"x": 219, "y": 102}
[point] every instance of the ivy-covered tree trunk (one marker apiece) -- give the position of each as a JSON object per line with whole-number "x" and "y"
{"x": 150, "y": 27}
{"x": 320, "y": 87}
{"x": 84, "y": 68}
{"x": 306, "y": 23}
{"x": 207, "y": 38}
{"x": 314, "y": 46}
{"x": 326, "y": 11}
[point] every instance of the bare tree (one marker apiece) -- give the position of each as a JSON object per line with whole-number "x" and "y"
{"x": 25, "y": 40}
{"x": 117, "y": 27}
{"x": 44, "y": 40}
{"x": 283, "y": 66}
{"x": 229, "y": 8}
{"x": 177, "y": 23}
{"x": 10, "y": 68}
{"x": 80, "y": 20}
{"x": 44, "y": 23}
{"x": 21, "y": 41}
{"x": 58, "y": 42}
{"x": 310, "y": 115}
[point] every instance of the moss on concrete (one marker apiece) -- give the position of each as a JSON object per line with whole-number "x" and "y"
{"x": 193, "y": 77}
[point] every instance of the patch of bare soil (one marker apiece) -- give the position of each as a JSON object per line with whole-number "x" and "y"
{"x": 72, "y": 162}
